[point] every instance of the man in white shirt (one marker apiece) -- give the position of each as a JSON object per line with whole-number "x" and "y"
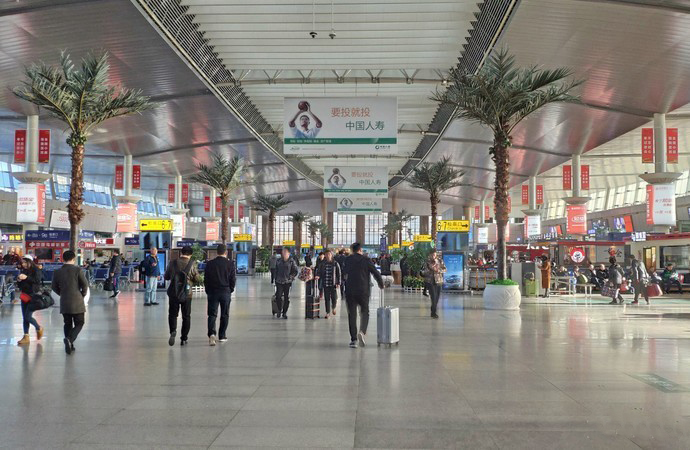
{"x": 304, "y": 132}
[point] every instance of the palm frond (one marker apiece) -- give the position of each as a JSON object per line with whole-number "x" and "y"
{"x": 298, "y": 217}
{"x": 435, "y": 178}
{"x": 270, "y": 203}
{"x": 223, "y": 174}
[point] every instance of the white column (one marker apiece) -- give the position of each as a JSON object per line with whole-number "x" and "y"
{"x": 31, "y": 161}
{"x": 236, "y": 211}
{"x": 482, "y": 216}
{"x": 178, "y": 192}
{"x": 577, "y": 180}
{"x": 532, "y": 191}
{"x": 127, "y": 174}
{"x": 660, "y": 143}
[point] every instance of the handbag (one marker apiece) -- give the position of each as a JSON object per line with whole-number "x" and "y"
{"x": 108, "y": 285}
{"x": 609, "y": 291}
{"x": 24, "y": 297}
{"x": 40, "y": 300}
{"x": 654, "y": 290}
{"x": 624, "y": 286}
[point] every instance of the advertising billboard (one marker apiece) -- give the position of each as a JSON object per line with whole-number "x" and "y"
{"x": 454, "y": 276}
{"x": 362, "y": 181}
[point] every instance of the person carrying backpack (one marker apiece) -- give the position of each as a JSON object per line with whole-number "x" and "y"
{"x": 181, "y": 273}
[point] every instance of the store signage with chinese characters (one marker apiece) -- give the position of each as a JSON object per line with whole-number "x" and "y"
{"x": 540, "y": 194}
{"x": 47, "y": 235}
{"x": 31, "y": 203}
{"x": 457, "y": 226}
{"x": 242, "y": 237}
{"x": 59, "y": 219}
{"x": 132, "y": 241}
{"x": 648, "y": 145}
{"x": 577, "y": 219}
{"x": 343, "y": 181}
{"x": 185, "y": 243}
{"x": 87, "y": 245}
{"x": 661, "y": 204}
{"x": 119, "y": 177}
{"x": 212, "y": 231}
{"x": 639, "y": 236}
{"x": 171, "y": 193}
{"x": 136, "y": 176}
{"x": 340, "y": 126}
{"x": 104, "y": 241}
{"x": 19, "y": 146}
{"x": 567, "y": 178}
{"x": 672, "y": 145}
{"x": 422, "y": 238}
{"x": 155, "y": 225}
{"x": 352, "y": 205}
{"x": 577, "y": 254}
{"x": 584, "y": 177}
{"x": 126, "y": 217}
{"x": 532, "y": 226}
{"x": 15, "y": 237}
{"x": 43, "y": 146}
{"x": 525, "y": 194}
{"x": 482, "y": 235}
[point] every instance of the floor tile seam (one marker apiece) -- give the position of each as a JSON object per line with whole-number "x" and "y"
{"x": 223, "y": 429}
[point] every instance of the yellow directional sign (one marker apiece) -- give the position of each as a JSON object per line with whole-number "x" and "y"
{"x": 242, "y": 237}
{"x": 288, "y": 243}
{"x": 318, "y": 247}
{"x": 394, "y": 246}
{"x": 422, "y": 238}
{"x": 407, "y": 243}
{"x": 155, "y": 225}
{"x": 458, "y": 226}
{"x": 305, "y": 246}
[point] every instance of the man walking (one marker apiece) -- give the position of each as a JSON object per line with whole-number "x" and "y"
{"x": 219, "y": 283}
{"x": 286, "y": 271}
{"x": 181, "y": 273}
{"x": 358, "y": 270}
{"x": 640, "y": 279}
{"x": 115, "y": 271}
{"x": 272, "y": 266}
{"x": 71, "y": 285}
{"x": 152, "y": 273}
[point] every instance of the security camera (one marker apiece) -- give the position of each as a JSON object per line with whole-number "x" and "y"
{"x": 313, "y": 34}
{"x": 332, "y": 34}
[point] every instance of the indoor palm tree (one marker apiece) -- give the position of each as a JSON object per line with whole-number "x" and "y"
{"x": 270, "y": 204}
{"x": 225, "y": 175}
{"x": 82, "y": 98}
{"x": 298, "y": 218}
{"x": 313, "y": 227}
{"x": 435, "y": 178}
{"x": 396, "y": 223}
{"x": 499, "y": 96}
{"x": 325, "y": 233}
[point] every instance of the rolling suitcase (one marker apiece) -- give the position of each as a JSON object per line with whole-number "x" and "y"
{"x": 274, "y": 305}
{"x": 387, "y": 323}
{"x": 312, "y": 303}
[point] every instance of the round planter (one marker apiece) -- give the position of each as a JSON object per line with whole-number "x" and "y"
{"x": 498, "y": 296}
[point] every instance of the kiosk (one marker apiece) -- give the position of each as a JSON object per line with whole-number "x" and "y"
{"x": 453, "y": 238}
{"x": 156, "y": 233}
{"x": 243, "y": 254}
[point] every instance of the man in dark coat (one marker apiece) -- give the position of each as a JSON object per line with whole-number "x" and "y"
{"x": 115, "y": 270}
{"x": 71, "y": 285}
{"x": 357, "y": 272}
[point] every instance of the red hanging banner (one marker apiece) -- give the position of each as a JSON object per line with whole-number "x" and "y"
{"x": 476, "y": 213}
{"x": 136, "y": 177}
{"x": 487, "y": 214}
{"x": 119, "y": 176}
{"x": 185, "y": 193}
{"x": 207, "y": 204}
{"x": 44, "y": 146}
{"x": 540, "y": 194}
{"x": 672, "y": 145}
{"x": 584, "y": 177}
{"x": 525, "y": 194}
{"x": 171, "y": 193}
{"x": 648, "y": 145}
{"x": 567, "y": 178}
{"x": 219, "y": 205}
{"x": 19, "y": 146}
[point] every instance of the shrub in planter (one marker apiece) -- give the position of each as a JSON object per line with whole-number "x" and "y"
{"x": 413, "y": 282}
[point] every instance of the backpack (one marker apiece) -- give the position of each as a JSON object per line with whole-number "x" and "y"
{"x": 179, "y": 284}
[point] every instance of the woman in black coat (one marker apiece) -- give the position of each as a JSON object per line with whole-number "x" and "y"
{"x": 29, "y": 282}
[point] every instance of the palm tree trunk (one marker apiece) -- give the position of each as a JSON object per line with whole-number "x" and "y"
{"x": 400, "y": 239}
{"x": 76, "y": 196}
{"x": 297, "y": 230}
{"x": 271, "y": 220}
{"x": 434, "y": 212}
{"x": 223, "y": 218}
{"x": 502, "y": 161}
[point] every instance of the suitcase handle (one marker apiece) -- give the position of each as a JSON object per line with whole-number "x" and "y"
{"x": 382, "y": 303}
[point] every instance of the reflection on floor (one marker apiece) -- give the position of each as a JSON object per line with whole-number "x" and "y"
{"x": 575, "y": 375}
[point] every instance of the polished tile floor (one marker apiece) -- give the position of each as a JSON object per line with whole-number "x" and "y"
{"x": 569, "y": 374}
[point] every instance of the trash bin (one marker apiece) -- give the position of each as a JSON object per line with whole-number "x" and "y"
{"x": 529, "y": 285}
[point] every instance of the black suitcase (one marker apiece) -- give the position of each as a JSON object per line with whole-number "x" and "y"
{"x": 274, "y": 305}
{"x": 312, "y": 304}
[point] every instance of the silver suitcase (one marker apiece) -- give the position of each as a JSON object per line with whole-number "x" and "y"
{"x": 387, "y": 323}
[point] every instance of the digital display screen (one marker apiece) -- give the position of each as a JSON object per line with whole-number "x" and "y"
{"x": 454, "y": 276}
{"x": 243, "y": 263}
{"x": 623, "y": 224}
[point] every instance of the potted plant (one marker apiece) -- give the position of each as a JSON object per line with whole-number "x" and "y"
{"x": 500, "y": 96}
{"x": 82, "y": 98}
{"x": 225, "y": 176}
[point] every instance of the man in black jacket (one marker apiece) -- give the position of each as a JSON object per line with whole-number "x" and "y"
{"x": 70, "y": 284}
{"x": 286, "y": 271}
{"x": 358, "y": 269}
{"x": 219, "y": 283}
{"x": 115, "y": 271}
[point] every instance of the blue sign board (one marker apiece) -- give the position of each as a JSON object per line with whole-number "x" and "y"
{"x": 47, "y": 235}
{"x": 243, "y": 263}
{"x": 134, "y": 241}
{"x": 454, "y": 276}
{"x": 83, "y": 234}
{"x": 183, "y": 244}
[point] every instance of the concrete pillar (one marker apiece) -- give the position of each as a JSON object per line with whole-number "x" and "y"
{"x": 532, "y": 191}
{"x": 212, "y": 195}
{"x": 424, "y": 225}
{"x": 128, "y": 196}
{"x": 236, "y": 211}
{"x": 659, "y": 143}
{"x": 394, "y": 203}
{"x": 482, "y": 216}
{"x": 324, "y": 210}
{"x": 359, "y": 228}
{"x": 577, "y": 176}
{"x": 31, "y": 161}
{"x": 466, "y": 214}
